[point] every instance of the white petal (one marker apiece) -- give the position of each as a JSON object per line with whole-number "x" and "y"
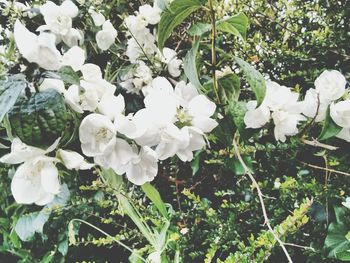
{"x": 49, "y": 178}
{"x": 26, "y": 42}
{"x": 74, "y": 57}
{"x": 25, "y": 187}
{"x": 204, "y": 123}
{"x": 69, "y": 8}
{"x": 55, "y": 84}
{"x": 201, "y": 106}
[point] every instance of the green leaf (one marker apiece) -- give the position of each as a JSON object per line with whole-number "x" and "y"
{"x": 229, "y": 87}
{"x": 330, "y": 128}
{"x": 190, "y": 65}
{"x": 63, "y": 247}
{"x": 198, "y": 29}
{"x": 10, "y": 89}
{"x": 29, "y": 224}
{"x": 236, "y": 25}
{"x": 135, "y": 217}
{"x": 68, "y": 75}
{"x": 153, "y": 194}
{"x": 178, "y": 11}
{"x": 254, "y": 78}
{"x": 195, "y": 163}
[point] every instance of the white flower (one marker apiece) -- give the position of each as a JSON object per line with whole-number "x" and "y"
{"x": 37, "y": 49}
{"x": 150, "y": 14}
{"x": 106, "y": 37}
{"x": 155, "y": 257}
{"x": 312, "y": 104}
{"x": 20, "y": 152}
{"x": 91, "y": 72}
{"x": 143, "y": 168}
{"x": 169, "y": 57}
{"x": 193, "y": 140}
{"x": 340, "y": 113}
{"x": 137, "y": 79}
{"x": 36, "y": 181}
{"x": 96, "y": 134}
{"x": 136, "y": 25}
{"x": 330, "y": 85}
{"x": 73, "y": 38}
{"x": 281, "y": 98}
{"x": 97, "y": 17}
{"x": 55, "y": 84}
{"x": 111, "y": 106}
{"x": 72, "y": 97}
{"x": 73, "y": 160}
{"x": 74, "y": 57}
{"x": 256, "y": 117}
{"x": 286, "y": 124}
{"x": 59, "y": 18}
{"x": 344, "y": 134}
{"x": 117, "y": 156}
{"x": 346, "y": 203}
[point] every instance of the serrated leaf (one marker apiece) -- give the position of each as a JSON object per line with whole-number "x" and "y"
{"x": 153, "y": 194}
{"x": 29, "y": 224}
{"x": 330, "y": 128}
{"x": 68, "y": 75}
{"x": 236, "y": 25}
{"x": 255, "y": 80}
{"x": 190, "y": 65}
{"x": 10, "y": 88}
{"x": 42, "y": 119}
{"x": 177, "y": 12}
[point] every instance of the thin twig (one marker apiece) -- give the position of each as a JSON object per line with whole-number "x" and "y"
{"x": 260, "y": 195}
{"x": 318, "y": 144}
{"x": 324, "y": 169}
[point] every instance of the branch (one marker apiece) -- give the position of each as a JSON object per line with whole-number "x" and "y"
{"x": 260, "y": 195}
{"x": 318, "y": 144}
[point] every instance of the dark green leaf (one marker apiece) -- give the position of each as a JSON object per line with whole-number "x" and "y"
{"x": 254, "y": 78}
{"x": 42, "y": 119}
{"x": 178, "y": 11}
{"x": 330, "y": 128}
{"x": 10, "y": 88}
{"x": 68, "y": 75}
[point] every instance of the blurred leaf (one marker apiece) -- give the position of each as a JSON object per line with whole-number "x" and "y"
{"x": 10, "y": 88}
{"x": 68, "y": 75}
{"x": 153, "y": 194}
{"x": 198, "y": 29}
{"x": 254, "y": 78}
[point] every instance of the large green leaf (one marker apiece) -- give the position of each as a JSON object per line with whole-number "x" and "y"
{"x": 10, "y": 88}
{"x": 30, "y": 224}
{"x": 337, "y": 242}
{"x": 178, "y": 11}
{"x": 42, "y": 119}
{"x": 330, "y": 128}
{"x": 190, "y": 65}
{"x": 236, "y": 25}
{"x": 68, "y": 75}
{"x": 153, "y": 194}
{"x": 254, "y": 78}
{"x": 198, "y": 29}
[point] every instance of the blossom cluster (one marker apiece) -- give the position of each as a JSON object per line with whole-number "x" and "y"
{"x": 287, "y": 111}
{"x": 173, "y": 122}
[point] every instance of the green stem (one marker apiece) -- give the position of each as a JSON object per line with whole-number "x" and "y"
{"x": 108, "y": 235}
{"x": 213, "y": 50}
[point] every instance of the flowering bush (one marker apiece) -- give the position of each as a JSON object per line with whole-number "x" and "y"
{"x": 111, "y": 91}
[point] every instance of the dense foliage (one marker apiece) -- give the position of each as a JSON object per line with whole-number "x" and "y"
{"x": 265, "y": 177}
